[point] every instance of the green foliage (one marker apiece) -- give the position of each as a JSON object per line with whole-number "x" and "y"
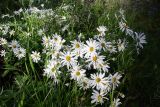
{"x": 28, "y": 92}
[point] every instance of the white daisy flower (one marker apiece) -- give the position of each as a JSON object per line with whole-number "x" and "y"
{"x": 102, "y": 30}
{"x": 59, "y": 45}
{"x": 91, "y": 47}
{"x": 6, "y": 30}
{"x": 44, "y": 51}
{"x": 20, "y": 52}
{"x": 52, "y": 69}
{"x": 3, "y": 41}
{"x": 56, "y": 38}
{"x": 115, "y": 79}
{"x": 46, "y": 41}
{"x": 77, "y": 48}
{"x": 12, "y": 32}
{"x": 141, "y": 39}
{"x": 98, "y": 80}
{"x": 107, "y": 87}
{"x": 98, "y": 97}
{"x": 121, "y": 45}
{"x": 124, "y": 28}
{"x": 110, "y": 47}
{"x": 57, "y": 41}
{"x": 14, "y": 44}
{"x": 102, "y": 43}
{"x": 76, "y": 45}
{"x": 68, "y": 48}
{"x": 54, "y": 53}
{"x": 84, "y": 83}
{"x": 40, "y": 32}
{"x": 77, "y": 73}
{"x": 65, "y": 27}
{"x": 2, "y": 53}
{"x": 68, "y": 59}
{"x": 116, "y": 103}
{"x": 94, "y": 60}
{"x": 103, "y": 66}
{"x": 35, "y": 56}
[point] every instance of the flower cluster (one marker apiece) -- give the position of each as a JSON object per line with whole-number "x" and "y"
{"x": 80, "y": 57}
{"x": 18, "y": 51}
{"x": 85, "y": 62}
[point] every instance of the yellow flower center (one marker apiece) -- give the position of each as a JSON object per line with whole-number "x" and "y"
{"x": 68, "y": 58}
{"x": 19, "y": 52}
{"x": 84, "y": 84}
{"x": 14, "y": 46}
{"x": 103, "y": 44}
{"x": 98, "y": 79}
{"x": 36, "y": 55}
{"x": 55, "y": 39}
{"x": 53, "y": 69}
{"x": 99, "y": 97}
{"x": 52, "y": 51}
{"x": 125, "y": 25}
{"x": 77, "y": 45}
{"x": 91, "y": 49}
{"x": 94, "y": 58}
{"x": 114, "y": 80}
{"x": 47, "y": 41}
{"x": 78, "y": 73}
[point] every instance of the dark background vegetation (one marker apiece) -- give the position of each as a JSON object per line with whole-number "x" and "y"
{"x": 143, "y": 82}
